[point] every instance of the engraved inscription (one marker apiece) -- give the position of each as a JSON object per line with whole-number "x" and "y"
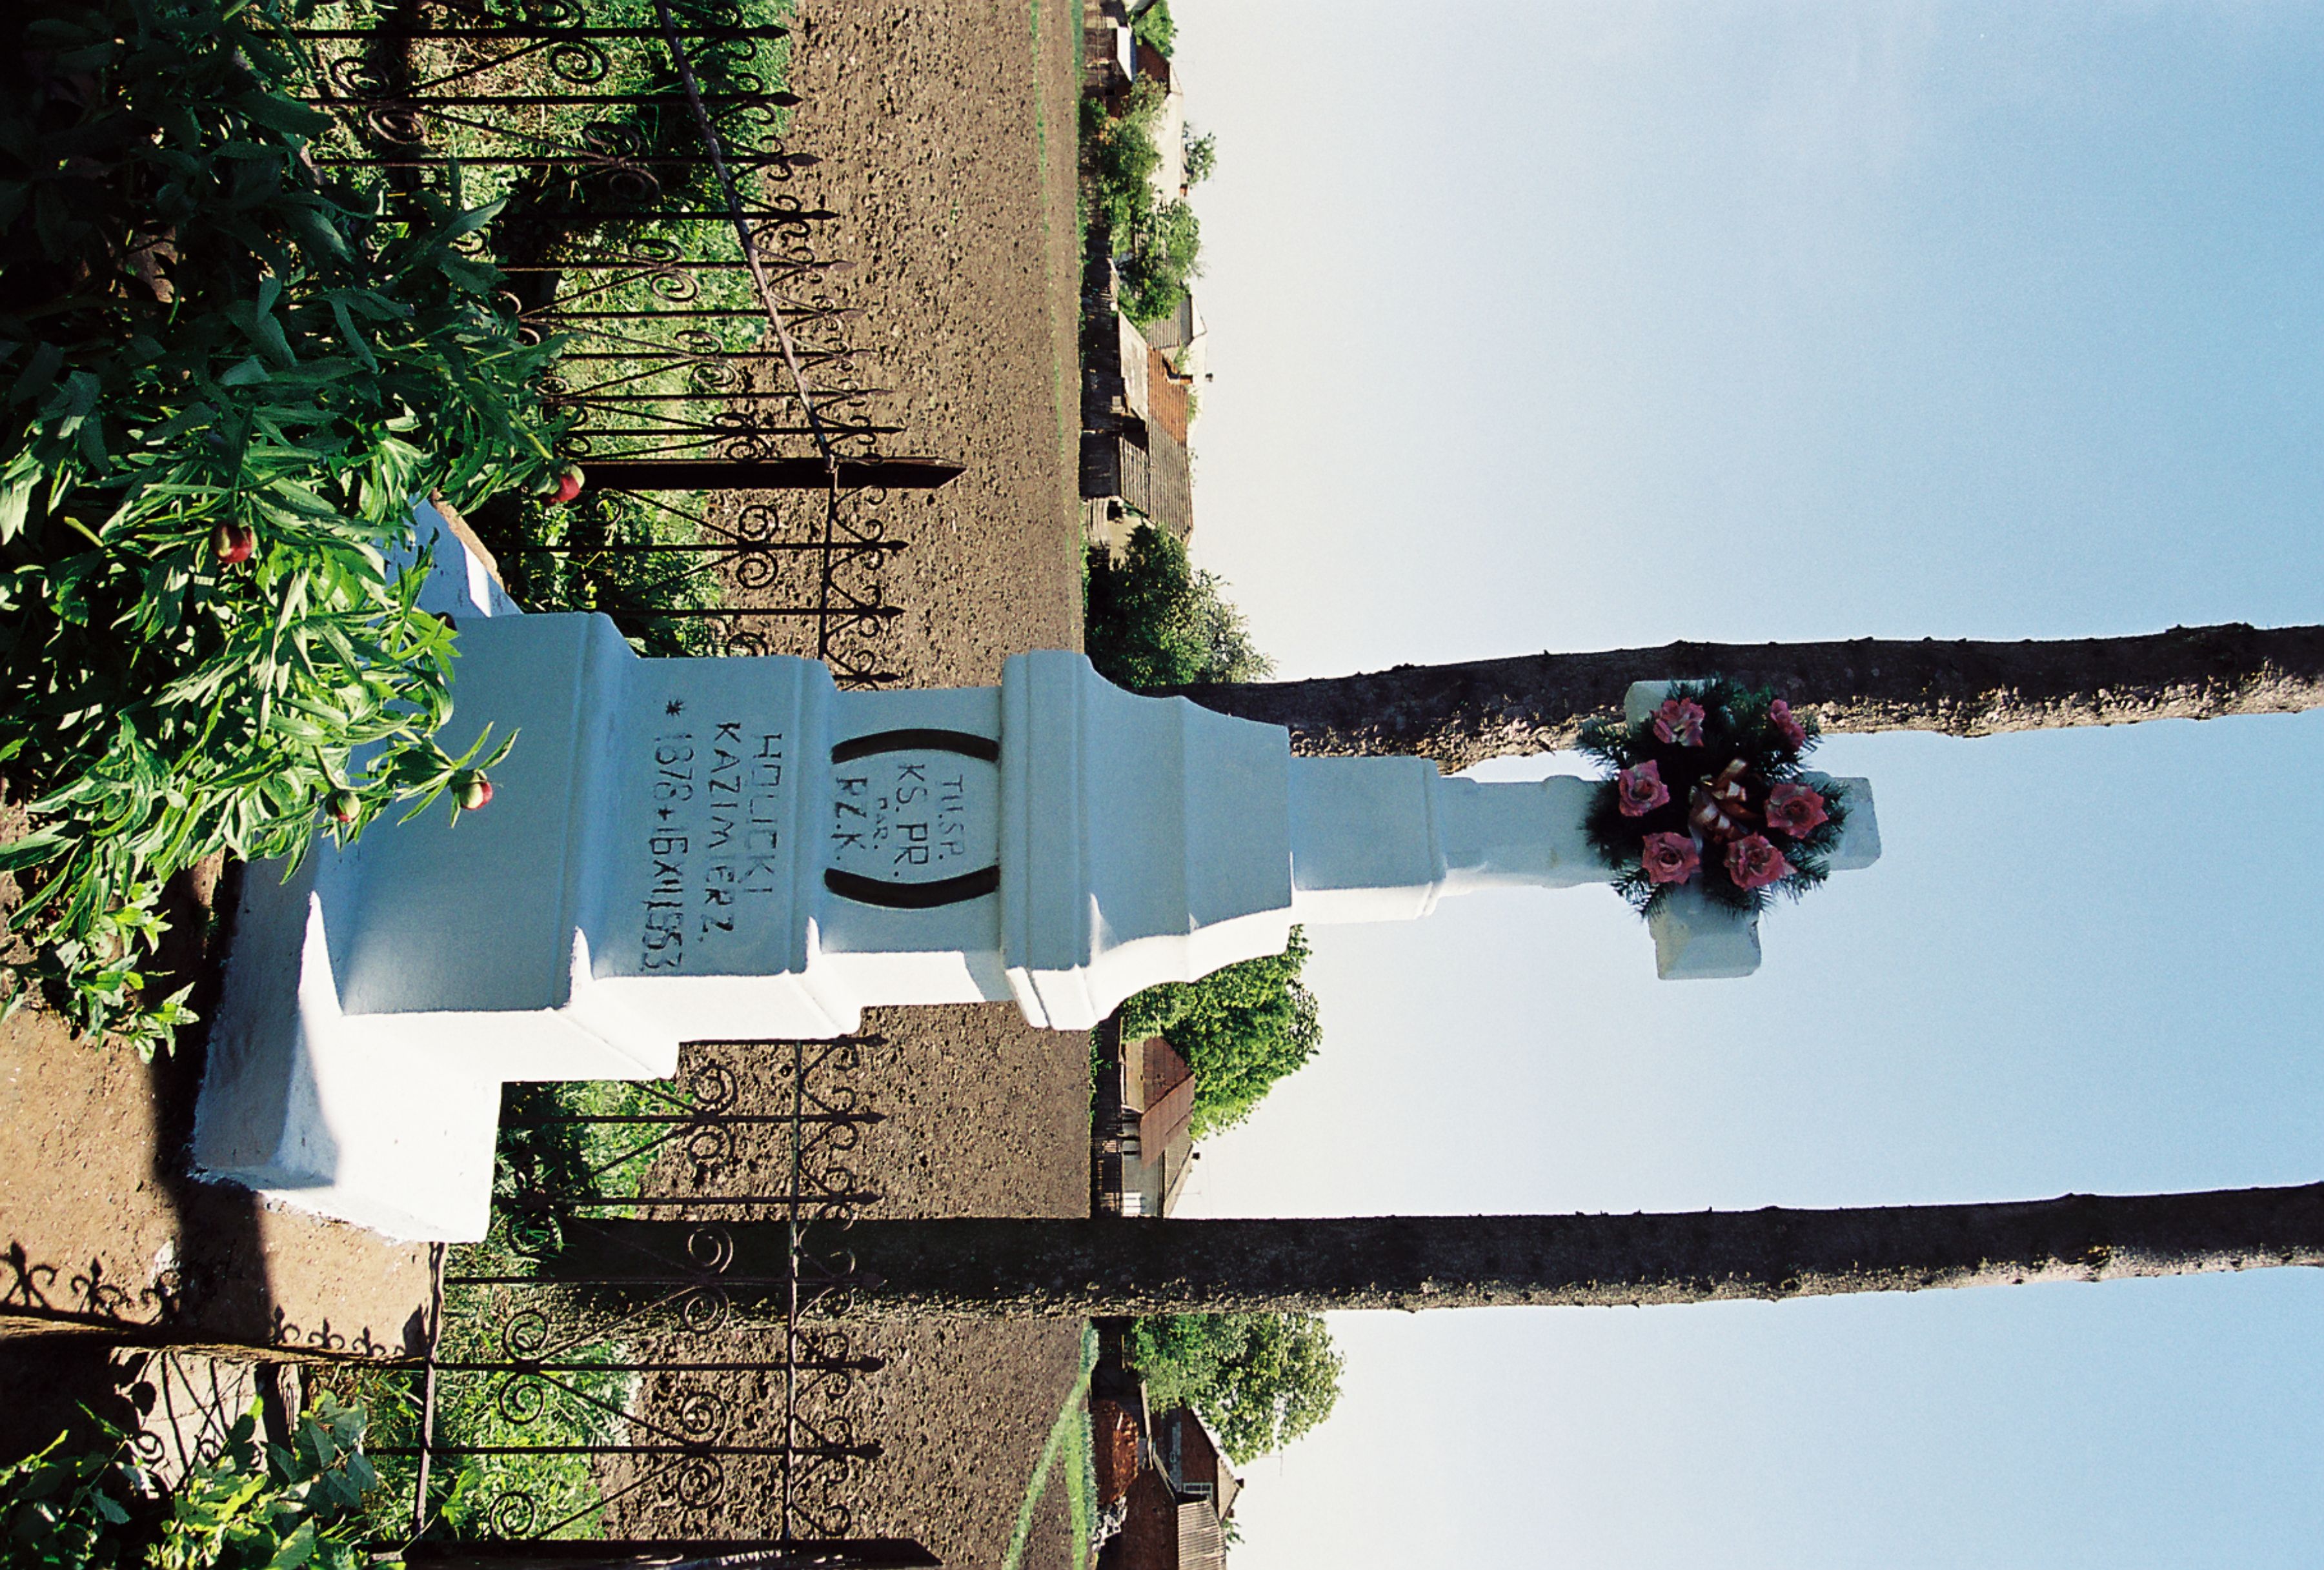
{"x": 913, "y": 817}
{"x": 717, "y": 800}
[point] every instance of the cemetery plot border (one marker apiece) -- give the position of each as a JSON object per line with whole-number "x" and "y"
{"x": 709, "y": 1408}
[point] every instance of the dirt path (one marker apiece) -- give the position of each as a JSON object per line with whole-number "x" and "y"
{"x": 101, "y": 1229}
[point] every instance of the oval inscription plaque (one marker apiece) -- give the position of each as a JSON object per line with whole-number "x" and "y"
{"x": 915, "y": 818}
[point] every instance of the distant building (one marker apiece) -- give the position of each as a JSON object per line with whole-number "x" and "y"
{"x": 1136, "y": 412}
{"x": 1146, "y": 476}
{"x": 1183, "y": 340}
{"x": 1150, "y": 64}
{"x": 1144, "y": 1129}
{"x": 1108, "y": 49}
{"x": 1178, "y": 1507}
{"x": 1137, "y": 408}
{"x": 1192, "y": 1458}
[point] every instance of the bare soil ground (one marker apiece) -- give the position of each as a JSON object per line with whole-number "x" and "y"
{"x": 101, "y": 1230}
{"x": 948, "y": 130}
{"x": 946, "y": 133}
{"x": 980, "y": 1114}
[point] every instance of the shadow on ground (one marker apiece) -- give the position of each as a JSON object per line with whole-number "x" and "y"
{"x": 104, "y": 1232}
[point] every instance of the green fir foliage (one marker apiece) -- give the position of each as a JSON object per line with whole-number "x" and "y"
{"x": 1240, "y": 1028}
{"x": 1259, "y": 1380}
{"x": 224, "y": 378}
{"x": 1153, "y": 619}
{"x": 253, "y": 1506}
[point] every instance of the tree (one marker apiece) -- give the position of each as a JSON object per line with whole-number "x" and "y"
{"x": 1074, "y": 1269}
{"x": 1201, "y": 156}
{"x": 1258, "y": 1379}
{"x": 1164, "y": 251}
{"x": 1239, "y": 1028}
{"x": 1461, "y": 715}
{"x": 1119, "y": 157}
{"x": 1154, "y": 619}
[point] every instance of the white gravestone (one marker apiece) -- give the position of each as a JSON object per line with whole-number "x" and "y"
{"x": 705, "y": 849}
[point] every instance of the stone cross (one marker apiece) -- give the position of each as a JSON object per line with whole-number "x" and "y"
{"x": 1697, "y": 940}
{"x": 732, "y": 848}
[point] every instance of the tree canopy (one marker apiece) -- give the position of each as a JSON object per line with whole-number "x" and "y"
{"x": 1239, "y": 1028}
{"x": 1259, "y": 1380}
{"x": 1201, "y": 156}
{"x": 1153, "y": 619}
{"x": 1165, "y": 250}
{"x": 1119, "y": 157}
{"x": 1152, "y": 235}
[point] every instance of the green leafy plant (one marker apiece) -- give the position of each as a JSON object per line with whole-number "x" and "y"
{"x": 251, "y": 1507}
{"x": 563, "y": 1138}
{"x": 1240, "y": 1028}
{"x": 1164, "y": 255}
{"x": 1708, "y": 792}
{"x": 535, "y": 1476}
{"x": 610, "y": 551}
{"x": 1158, "y": 244}
{"x": 1259, "y": 1380}
{"x": 226, "y": 379}
{"x": 1154, "y": 619}
{"x": 1119, "y": 156}
{"x": 1153, "y": 26}
{"x": 1201, "y": 157}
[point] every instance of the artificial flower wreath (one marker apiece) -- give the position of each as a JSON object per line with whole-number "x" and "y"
{"x": 1707, "y": 792}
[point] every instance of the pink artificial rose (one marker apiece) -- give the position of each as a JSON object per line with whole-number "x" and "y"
{"x": 1796, "y": 810}
{"x": 1680, "y": 720}
{"x": 1754, "y": 862}
{"x": 1640, "y": 790}
{"x": 1795, "y": 735}
{"x": 1669, "y": 858}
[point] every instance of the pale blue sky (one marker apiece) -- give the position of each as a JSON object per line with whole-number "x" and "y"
{"x": 1587, "y": 325}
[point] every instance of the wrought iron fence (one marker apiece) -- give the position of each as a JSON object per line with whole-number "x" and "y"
{"x": 646, "y": 211}
{"x": 714, "y": 1408}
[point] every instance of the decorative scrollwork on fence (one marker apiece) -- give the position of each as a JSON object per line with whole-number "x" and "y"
{"x": 653, "y": 221}
{"x": 726, "y": 1389}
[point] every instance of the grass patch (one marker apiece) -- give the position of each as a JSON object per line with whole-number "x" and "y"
{"x": 1079, "y": 1460}
{"x": 1072, "y": 1427}
{"x": 579, "y": 1400}
{"x": 493, "y": 1495}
